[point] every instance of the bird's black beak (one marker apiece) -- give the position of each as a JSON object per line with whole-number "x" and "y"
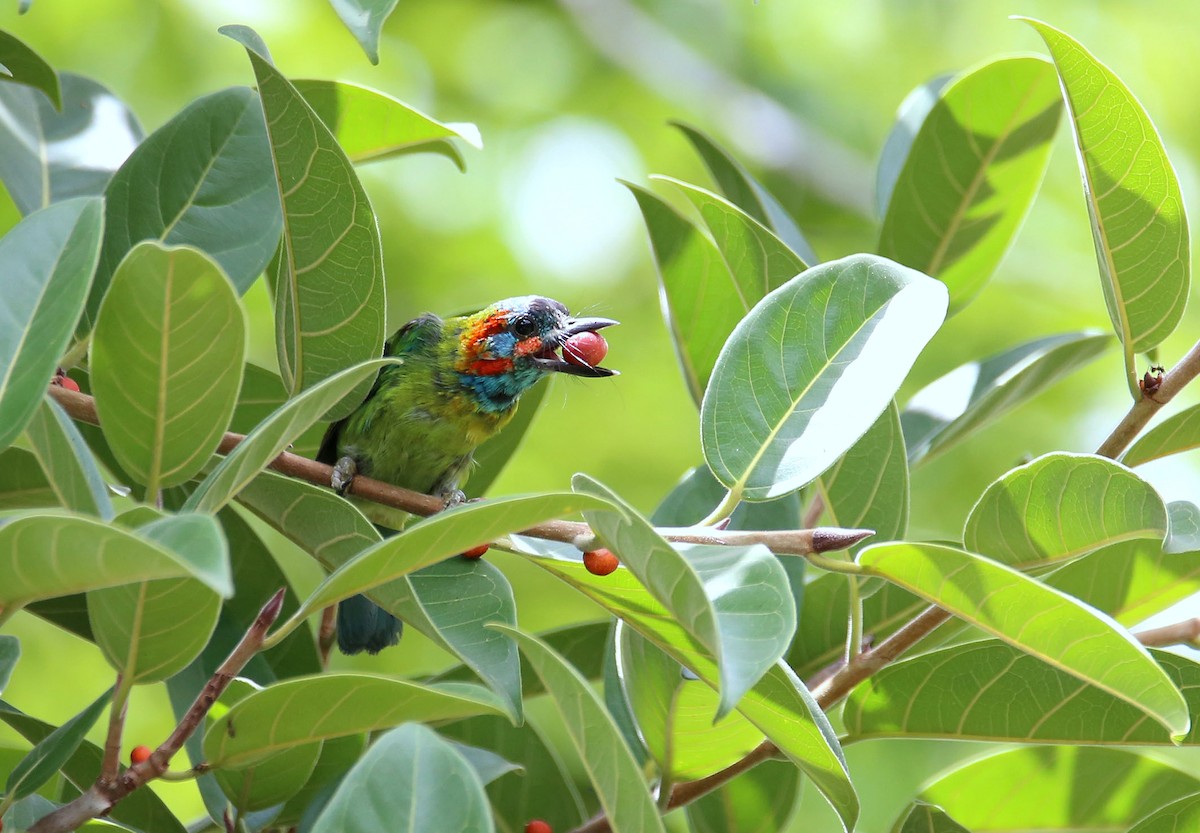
{"x": 574, "y": 326}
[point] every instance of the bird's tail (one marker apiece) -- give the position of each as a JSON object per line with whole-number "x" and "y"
{"x": 363, "y": 625}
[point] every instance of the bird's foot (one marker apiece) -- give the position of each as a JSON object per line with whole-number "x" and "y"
{"x": 343, "y": 474}
{"x": 452, "y": 498}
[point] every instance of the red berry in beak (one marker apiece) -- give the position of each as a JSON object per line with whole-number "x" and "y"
{"x": 585, "y": 349}
{"x": 538, "y": 826}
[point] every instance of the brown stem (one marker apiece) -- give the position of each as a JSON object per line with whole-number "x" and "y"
{"x": 786, "y": 542}
{"x": 1135, "y": 420}
{"x": 327, "y": 633}
{"x": 1179, "y": 633}
{"x": 111, "y": 764}
{"x": 105, "y": 793}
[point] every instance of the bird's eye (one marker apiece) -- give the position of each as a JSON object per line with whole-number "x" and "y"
{"x": 524, "y": 326}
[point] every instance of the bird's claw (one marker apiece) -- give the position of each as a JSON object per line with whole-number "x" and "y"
{"x": 343, "y": 474}
{"x": 453, "y": 498}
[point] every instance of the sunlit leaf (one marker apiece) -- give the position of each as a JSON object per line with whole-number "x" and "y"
{"x": 1177, "y": 433}
{"x": 927, "y": 818}
{"x": 972, "y": 172}
{"x": 48, "y": 258}
{"x": 1060, "y": 506}
{"x": 1133, "y": 198}
{"x": 364, "y": 19}
{"x": 1177, "y": 816}
{"x": 1037, "y": 619}
{"x": 910, "y": 115}
{"x": 811, "y": 368}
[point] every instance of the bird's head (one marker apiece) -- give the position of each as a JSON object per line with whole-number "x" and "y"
{"x": 506, "y": 347}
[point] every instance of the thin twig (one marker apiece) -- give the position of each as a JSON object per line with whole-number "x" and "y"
{"x": 1186, "y": 632}
{"x": 111, "y": 765}
{"x": 782, "y": 542}
{"x": 104, "y": 794}
{"x": 1135, "y": 420}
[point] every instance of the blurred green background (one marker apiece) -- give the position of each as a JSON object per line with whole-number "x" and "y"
{"x": 571, "y": 95}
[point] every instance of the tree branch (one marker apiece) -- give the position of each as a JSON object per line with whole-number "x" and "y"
{"x": 782, "y": 542}
{"x": 105, "y": 793}
{"x": 1186, "y": 632}
{"x": 1135, "y": 420}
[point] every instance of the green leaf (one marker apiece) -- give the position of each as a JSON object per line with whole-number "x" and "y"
{"x": 303, "y": 710}
{"x": 1183, "y": 814}
{"x": 702, "y": 302}
{"x": 141, "y": 809}
{"x": 67, "y": 461}
{"x": 910, "y": 115}
{"x": 868, "y": 487}
{"x": 1037, "y": 619}
{"x": 611, "y": 767}
{"x": 274, "y": 781}
{"x": 761, "y": 800}
{"x": 449, "y": 602}
{"x": 674, "y": 714}
{"x": 787, "y": 397}
{"x": 744, "y": 191}
{"x": 439, "y": 791}
{"x": 166, "y": 362}
{"x": 264, "y": 443}
{"x": 745, "y": 620}
{"x": 336, "y": 758}
{"x": 261, "y": 394}
{"x": 371, "y": 125}
{"x": 29, "y": 68}
{"x": 954, "y": 407}
{"x": 779, "y": 704}
{"x": 494, "y": 453}
{"x": 48, "y": 258}
{"x": 40, "y": 159}
{"x": 694, "y": 497}
{"x": 22, "y": 483}
{"x": 1183, "y": 527}
{"x": 543, "y": 789}
{"x": 440, "y": 536}
{"x": 1133, "y": 198}
{"x": 52, "y": 752}
{"x": 972, "y": 172}
{"x": 330, "y": 239}
{"x": 1081, "y": 789}
{"x": 992, "y": 691}
{"x": 43, "y": 556}
{"x": 198, "y": 540}
{"x": 927, "y": 818}
{"x": 757, "y": 260}
{"x": 364, "y": 19}
{"x": 1177, "y": 433}
{"x": 10, "y": 652}
{"x": 223, "y": 201}
{"x": 1061, "y": 506}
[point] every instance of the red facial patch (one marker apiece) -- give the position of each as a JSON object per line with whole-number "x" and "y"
{"x": 490, "y": 367}
{"x": 529, "y": 347}
{"x": 487, "y": 327}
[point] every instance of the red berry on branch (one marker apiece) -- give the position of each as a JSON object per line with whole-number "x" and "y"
{"x": 585, "y": 349}
{"x": 69, "y": 383}
{"x": 600, "y": 562}
{"x": 538, "y": 826}
{"x": 140, "y": 754}
{"x": 475, "y": 552}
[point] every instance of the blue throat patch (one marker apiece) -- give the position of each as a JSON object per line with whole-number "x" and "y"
{"x": 501, "y": 391}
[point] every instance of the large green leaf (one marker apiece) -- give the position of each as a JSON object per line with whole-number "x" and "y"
{"x": 745, "y": 620}
{"x": 49, "y": 258}
{"x": 49, "y": 155}
{"x": 166, "y": 362}
{"x": 371, "y": 125}
{"x": 328, "y": 271}
{"x": 744, "y": 191}
{"x": 1175, "y": 817}
{"x": 203, "y": 179}
{"x": 1037, "y": 619}
{"x": 1077, "y": 789}
{"x": 438, "y": 791}
{"x": 972, "y": 172}
{"x": 868, "y": 487}
{"x": 910, "y": 115}
{"x": 811, "y": 368}
{"x": 544, "y": 789}
{"x": 1061, "y": 506}
{"x": 1133, "y": 198}
{"x": 449, "y": 602}
{"x": 1178, "y": 432}
{"x": 952, "y": 408}
{"x": 24, "y": 66}
{"x": 611, "y": 767}
{"x": 69, "y": 466}
{"x": 264, "y": 443}
{"x": 54, "y": 750}
{"x": 23, "y": 485}
{"x": 761, "y": 800}
{"x": 779, "y": 704}
{"x": 43, "y": 556}
{"x": 301, "y": 711}
{"x": 336, "y": 758}
{"x": 702, "y": 302}
{"x": 992, "y": 691}
{"x": 364, "y": 19}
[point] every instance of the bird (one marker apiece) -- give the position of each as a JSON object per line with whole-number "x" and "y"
{"x": 457, "y": 384}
